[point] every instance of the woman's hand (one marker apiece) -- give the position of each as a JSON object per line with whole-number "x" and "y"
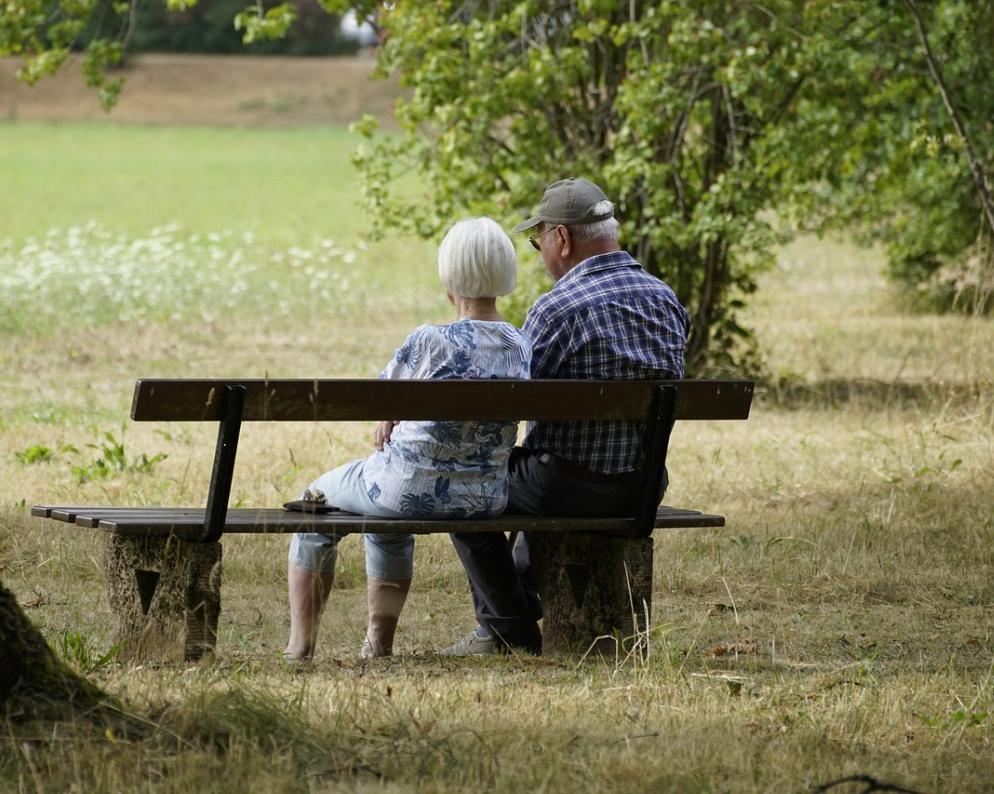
{"x": 382, "y": 433}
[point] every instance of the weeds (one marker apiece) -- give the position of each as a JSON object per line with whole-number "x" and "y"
{"x": 112, "y": 459}
{"x": 36, "y": 453}
{"x": 75, "y": 647}
{"x": 956, "y": 719}
{"x": 39, "y": 453}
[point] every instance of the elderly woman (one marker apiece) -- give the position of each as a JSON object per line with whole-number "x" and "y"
{"x": 422, "y": 469}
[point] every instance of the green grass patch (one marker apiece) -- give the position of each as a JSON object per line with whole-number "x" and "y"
{"x": 103, "y": 224}
{"x": 287, "y": 187}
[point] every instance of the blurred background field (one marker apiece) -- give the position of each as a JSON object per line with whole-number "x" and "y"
{"x": 840, "y": 623}
{"x": 275, "y": 91}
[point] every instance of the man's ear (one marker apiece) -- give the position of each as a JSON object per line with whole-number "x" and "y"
{"x": 451, "y": 297}
{"x": 566, "y": 241}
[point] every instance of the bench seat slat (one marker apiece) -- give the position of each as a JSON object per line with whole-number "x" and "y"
{"x": 188, "y": 522}
{"x": 89, "y": 516}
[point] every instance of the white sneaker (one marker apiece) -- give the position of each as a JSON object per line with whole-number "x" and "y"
{"x": 473, "y": 645}
{"x": 366, "y": 651}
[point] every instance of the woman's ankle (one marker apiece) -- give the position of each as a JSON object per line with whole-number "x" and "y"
{"x": 385, "y": 599}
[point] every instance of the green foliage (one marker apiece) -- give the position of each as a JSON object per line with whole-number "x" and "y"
{"x": 39, "y": 453}
{"x": 221, "y": 26}
{"x": 209, "y": 26}
{"x": 45, "y": 33}
{"x": 297, "y": 27}
{"x": 879, "y": 147}
{"x": 36, "y": 453}
{"x": 671, "y": 109}
{"x": 75, "y": 648}
{"x": 260, "y": 25}
{"x": 44, "y": 64}
{"x": 112, "y": 459}
{"x": 99, "y": 56}
{"x": 702, "y": 121}
{"x": 959, "y": 719}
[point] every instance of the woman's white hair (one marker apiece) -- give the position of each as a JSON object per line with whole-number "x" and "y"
{"x": 476, "y": 259}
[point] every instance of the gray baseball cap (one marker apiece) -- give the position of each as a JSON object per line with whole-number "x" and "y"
{"x": 569, "y": 201}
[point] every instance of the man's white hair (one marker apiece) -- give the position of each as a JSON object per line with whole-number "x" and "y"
{"x": 476, "y": 259}
{"x": 606, "y": 229}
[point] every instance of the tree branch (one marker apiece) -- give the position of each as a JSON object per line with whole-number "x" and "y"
{"x": 976, "y": 171}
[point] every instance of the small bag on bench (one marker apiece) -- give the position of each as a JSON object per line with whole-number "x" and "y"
{"x": 311, "y": 502}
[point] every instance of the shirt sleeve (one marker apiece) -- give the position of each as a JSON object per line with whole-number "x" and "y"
{"x": 526, "y": 355}
{"x": 550, "y": 339}
{"x": 412, "y": 360}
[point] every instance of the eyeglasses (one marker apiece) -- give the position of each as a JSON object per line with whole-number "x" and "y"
{"x": 534, "y": 238}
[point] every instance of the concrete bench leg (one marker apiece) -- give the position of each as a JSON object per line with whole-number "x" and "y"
{"x": 165, "y": 595}
{"x": 595, "y": 591}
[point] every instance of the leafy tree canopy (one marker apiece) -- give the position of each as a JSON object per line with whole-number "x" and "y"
{"x": 208, "y": 27}
{"x": 703, "y": 121}
{"x": 884, "y": 158}
{"x": 670, "y": 109}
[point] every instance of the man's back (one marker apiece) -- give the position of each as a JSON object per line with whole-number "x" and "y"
{"x": 606, "y": 318}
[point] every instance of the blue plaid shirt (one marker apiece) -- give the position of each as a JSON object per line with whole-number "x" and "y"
{"x": 606, "y": 318}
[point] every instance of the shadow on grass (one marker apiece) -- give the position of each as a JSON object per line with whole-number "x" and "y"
{"x": 253, "y": 740}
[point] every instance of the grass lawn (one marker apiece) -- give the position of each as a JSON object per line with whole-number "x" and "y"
{"x": 840, "y": 624}
{"x": 290, "y": 187}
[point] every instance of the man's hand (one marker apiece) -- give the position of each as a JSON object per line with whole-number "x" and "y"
{"x": 383, "y": 431}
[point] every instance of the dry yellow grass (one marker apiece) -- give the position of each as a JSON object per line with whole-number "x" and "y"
{"x": 840, "y": 623}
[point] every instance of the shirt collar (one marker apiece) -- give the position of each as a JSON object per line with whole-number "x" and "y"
{"x": 600, "y": 262}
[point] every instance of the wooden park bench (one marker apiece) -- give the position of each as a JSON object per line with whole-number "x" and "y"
{"x": 163, "y": 565}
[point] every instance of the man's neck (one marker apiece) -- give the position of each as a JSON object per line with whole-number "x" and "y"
{"x": 589, "y": 248}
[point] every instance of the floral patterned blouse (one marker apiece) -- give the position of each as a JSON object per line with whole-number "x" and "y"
{"x": 450, "y": 469}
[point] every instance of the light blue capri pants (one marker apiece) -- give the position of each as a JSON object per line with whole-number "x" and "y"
{"x": 388, "y": 557}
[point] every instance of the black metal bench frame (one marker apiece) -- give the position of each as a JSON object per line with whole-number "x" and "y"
{"x": 188, "y": 537}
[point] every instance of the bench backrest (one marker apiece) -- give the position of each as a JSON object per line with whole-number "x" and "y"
{"x": 349, "y": 400}
{"x": 231, "y": 402}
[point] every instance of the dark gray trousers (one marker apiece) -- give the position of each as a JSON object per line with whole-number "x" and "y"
{"x": 500, "y": 581}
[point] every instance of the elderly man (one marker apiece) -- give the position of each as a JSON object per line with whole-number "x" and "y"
{"x": 606, "y": 317}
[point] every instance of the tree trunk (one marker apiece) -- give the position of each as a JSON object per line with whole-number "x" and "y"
{"x": 596, "y": 592}
{"x": 166, "y": 597}
{"x": 34, "y": 682}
